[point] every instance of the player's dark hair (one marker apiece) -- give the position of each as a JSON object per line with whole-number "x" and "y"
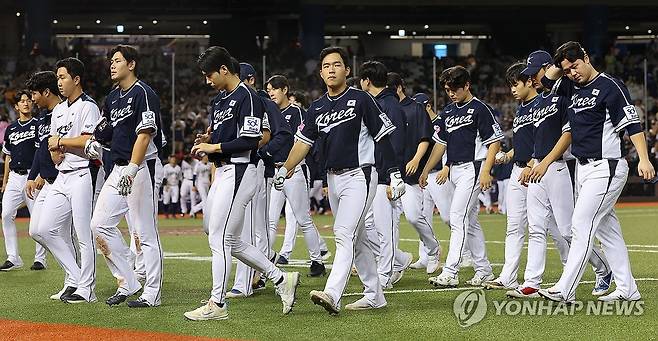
{"x": 393, "y": 80}
{"x": 212, "y": 59}
{"x": 19, "y": 94}
{"x": 43, "y": 80}
{"x": 236, "y": 65}
{"x": 335, "y": 49}
{"x": 278, "y": 82}
{"x": 455, "y": 77}
{"x": 73, "y": 66}
{"x": 375, "y": 72}
{"x": 129, "y": 53}
{"x": 300, "y": 97}
{"x": 514, "y": 75}
{"x": 354, "y": 82}
{"x": 570, "y": 51}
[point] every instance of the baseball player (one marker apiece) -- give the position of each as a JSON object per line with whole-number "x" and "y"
{"x": 19, "y": 147}
{"x": 70, "y": 197}
{"x": 295, "y": 191}
{"x": 600, "y": 110}
{"x": 45, "y": 95}
{"x": 236, "y": 129}
{"x": 472, "y": 137}
{"x": 350, "y": 124}
{"x": 134, "y": 112}
{"x": 201, "y": 184}
{"x": 186, "y": 192}
{"x": 170, "y": 191}
{"x": 502, "y": 173}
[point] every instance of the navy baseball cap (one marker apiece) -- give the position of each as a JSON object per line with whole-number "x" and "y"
{"x": 536, "y": 61}
{"x": 421, "y": 98}
{"x": 246, "y": 71}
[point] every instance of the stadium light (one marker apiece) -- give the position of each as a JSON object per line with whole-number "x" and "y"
{"x": 120, "y": 28}
{"x": 413, "y": 33}
{"x": 140, "y": 27}
{"x": 18, "y": 14}
{"x": 402, "y": 33}
{"x": 388, "y": 27}
{"x": 98, "y": 21}
{"x": 205, "y": 22}
{"x": 370, "y": 32}
{"x": 649, "y": 31}
{"x": 627, "y": 28}
{"x": 188, "y": 27}
{"x": 55, "y": 21}
{"x": 342, "y": 27}
{"x": 77, "y": 27}
{"x": 462, "y": 32}
{"x": 155, "y": 22}
{"x": 426, "y": 26}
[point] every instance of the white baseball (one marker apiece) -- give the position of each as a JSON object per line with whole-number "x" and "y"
{"x": 500, "y": 157}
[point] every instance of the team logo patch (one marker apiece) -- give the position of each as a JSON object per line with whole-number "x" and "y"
{"x": 630, "y": 112}
{"x": 231, "y": 103}
{"x": 387, "y": 121}
{"x": 470, "y": 111}
{"x": 251, "y": 125}
{"x": 148, "y": 118}
{"x": 496, "y": 129}
{"x": 595, "y": 92}
{"x": 555, "y": 99}
{"x": 351, "y": 103}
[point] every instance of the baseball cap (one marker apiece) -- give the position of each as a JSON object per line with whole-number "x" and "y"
{"x": 421, "y": 98}
{"x": 536, "y": 61}
{"x": 246, "y": 71}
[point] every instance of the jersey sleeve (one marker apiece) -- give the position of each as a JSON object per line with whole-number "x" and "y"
{"x": 147, "y": 109}
{"x": 488, "y": 127}
{"x": 90, "y": 116}
{"x": 424, "y": 126}
{"x": 563, "y": 107}
{"x": 621, "y": 110}
{"x": 377, "y": 122}
{"x": 440, "y": 135}
{"x": 6, "y": 146}
{"x": 296, "y": 118}
{"x": 250, "y": 116}
{"x": 563, "y": 86}
{"x": 307, "y": 132}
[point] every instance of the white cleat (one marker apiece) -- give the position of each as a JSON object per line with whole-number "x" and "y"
{"x": 325, "y": 255}
{"x": 57, "y": 296}
{"x": 363, "y": 304}
{"x": 467, "y": 261}
{"x": 208, "y": 311}
{"x": 444, "y": 280}
{"x": 397, "y": 275}
{"x": 235, "y": 293}
{"x": 478, "y": 281}
{"x": 325, "y": 301}
{"x": 433, "y": 264}
{"x": 498, "y": 284}
{"x": 618, "y": 296}
{"x": 287, "y": 290}
{"x": 419, "y": 264}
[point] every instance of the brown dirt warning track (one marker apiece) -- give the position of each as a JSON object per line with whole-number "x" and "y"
{"x": 23, "y": 330}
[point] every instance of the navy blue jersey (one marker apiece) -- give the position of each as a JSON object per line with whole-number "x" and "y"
{"x": 43, "y": 165}
{"x": 502, "y": 171}
{"x": 550, "y": 121}
{"x": 390, "y": 105}
{"x": 419, "y": 129}
{"x": 599, "y": 112}
{"x": 437, "y": 123}
{"x": 20, "y": 140}
{"x": 130, "y": 113}
{"x": 281, "y": 139}
{"x": 237, "y": 122}
{"x": 294, "y": 115}
{"x": 349, "y": 125}
{"x": 467, "y": 130}
{"x": 522, "y": 127}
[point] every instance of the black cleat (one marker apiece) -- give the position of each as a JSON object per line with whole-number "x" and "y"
{"x": 73, "y": 298}
{"x": 37, "y": 266}
{"x": 8, "y": 266}
{"x": 282, "y": 261}
{"x": 116, "y": 299}
{"x": 317, "y": 269}
{"x": 258, "y": 286}
{"x": 139, "y": 303}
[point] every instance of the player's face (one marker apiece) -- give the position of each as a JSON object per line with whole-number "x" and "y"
{"x": 277, "y": 95}
{"x": 536, "y": 79}
{"x": 457, "y": 95}
{"x": 172, "y": 161}
{"x": 24, "y": 105}
{"x": 119, "y": 67}
{"x": 579, "y": 71}
{"x": 65, "y": 82}
{"x": 39, "y": 99}
{"x": 333, "y": 70}
{"x": 520, "y": 91}
{"x": 215, "y": 80}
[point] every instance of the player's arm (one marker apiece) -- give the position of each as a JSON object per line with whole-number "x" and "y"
{"x": 556, "y": 153}
{"x": 267, "y": 135}
{"x": 644, "y": 168}
{"x": 412, "y": 165}
{"x": 492, "y": 149}
{"x": 492, "y": 134}
{"x": 140, "y": 146}
{"x": 435, "y": 157}
{"x": 5, "y": 176}
{"x": 297, "y": 154}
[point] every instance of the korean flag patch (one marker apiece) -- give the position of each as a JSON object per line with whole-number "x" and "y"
{"x": 351, "y": 103}
{"x": 231, "y": 103}
{"x": 148, "y": 118}
{"x": 595, "y": 92}
{"x": 470, "y": 111}
{"x": 251, "y": 126}
{"x": 630, "y": 113}
{"x": 555, "y": 99}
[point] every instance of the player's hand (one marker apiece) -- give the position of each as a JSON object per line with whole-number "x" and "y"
{"x": 412, "y": 166}
{"x": 57, "y": 156}
{"x": 442, "y": 175}
{"x": 53, "y": 143}
{"x": 422, "y": 180}
{"x": 396, "y": 184}
{"x": 39, "y": 182}
{"x": 203, "y": 138}
{"x": 645, "y": 170}
{"x": 325, "y": 192}
{"x": 93, "y": 149}
{"x": 194, "y": 189}
{"x": 279, "y": 178}
{"x": 485, "y": 180}
{"x": 502, "y": 157}
{"x": 524, "y": 178}
{"x": 537, "y": 172}
{"x": 202, "y": 148}
{"x": 128, "y": 174}
{"x": 2, "y": 188}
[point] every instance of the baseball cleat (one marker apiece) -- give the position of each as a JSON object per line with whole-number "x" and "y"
{"x": 235, "y": 293}
{"x": 467, "y": 261}
{"x": 208, "y": 311}
{"x": 526, "y": 292}
{"x": 433, "y": 264}
{"x": 116, "y": 299}
{"x": 363, "y": 304}
{"x": 37, "y": 266}
{"x": 326, "y": 254}
{"x": 73, "y": 299}
{"x": 444, "y": 280}
{"x": 478, "y": 281}
{"x": 139, "y": 303}
{"x": 259, "y": 285}
{"x": 287, "y": 290}
{"x": 419, "y": 264}
{"x": 8, "y": 266}
{"x": 322, "y": 299}
{"x": 498, "y": 284}
{"x": 65, "y": 291}
{"x": 282, "y": 261}
{"x": 602, "y": 284}
{"x": 616, "y": 295}
{"x": 317, "y": 269}
{"x": 551, "y": 294}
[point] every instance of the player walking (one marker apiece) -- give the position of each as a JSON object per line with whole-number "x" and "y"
{"x": 201, "y": 184}
{"x": 172, "y": 176}
{"x": 186, "y": 192}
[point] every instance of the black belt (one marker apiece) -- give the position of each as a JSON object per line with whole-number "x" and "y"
{"x": 20, "y": 171}
{"x": 50, "y": 180}
{"x": 72, "y": 170}
{"x": 584, "y": 160}
{"x": 339, "y": 171}
{"x": 457, "y": 163}
{"x": 121, "y": 162}
{"x": 521, "y": 164}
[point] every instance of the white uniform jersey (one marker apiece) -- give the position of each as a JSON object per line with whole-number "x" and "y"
{"x": 188, "y": 169}
{"x": 172, "y": 174}
{"x": 202, "y": 172}
{"x": 72, "y": 120}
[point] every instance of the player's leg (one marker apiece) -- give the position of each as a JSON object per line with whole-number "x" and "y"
{"x": 502, "y": 195}
{"x": 243, "y": 273}
{"x": 40, "y": 251}
{"x": 475, "y": 244}
{"x": 296, "y": 190}
{"x": 166, "y": 199}
{"x": 175, "y": 196}
{"x": 277, "y": 200}
{"x": 136, "y": 253}
{"x": 81, "y": 193}
{"x": 185, "y": 193}
{"x": 539, "y": 220}
{"x": 290, "y": 232}
{"x": 12, "y": 200}
{"x": 35, "y": 216}
{"x": 382, "y": 209}
{"x": 412, "y": 203}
